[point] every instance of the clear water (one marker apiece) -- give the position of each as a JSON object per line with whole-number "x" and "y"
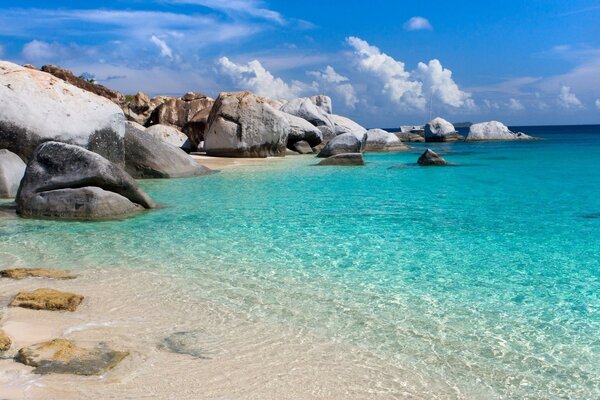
{"x": 485, "y": 275}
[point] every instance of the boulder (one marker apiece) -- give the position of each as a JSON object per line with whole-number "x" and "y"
{"x": 133, "y": 124}
{"x": 167, "y": 134}
{"x": 149, "y": 157}
{"x": 12, "y": 169}
{"x": 47, "y": 299}
{"x": 344, "y": 143}
{"x": 323, "y": 102}
{"x": 429, "y": 157}
{"x": 440, "y": 130}
{"x": 304, "y": 108}
{"x": 494, "y": 130}
{"x": 5, "y": 341}
{"x": 84, "y": 84}
{"x": 380, "y": 140}
{"x": 346, "y": 159}
{"x": 412, "y": 137}
{"x": 22, "y": 273}
{"x": 139, "y": 108}
{"x": 302, "y": 147}
{"x": 302, "y": 130}
{"x": 69, "y": 182}
{"x": 196, "y": 126}
{"x": 36, "y": 107}
{"x": 61, "y": 356}
{"x": 244, "y": 125}
{"x": 178, "y": 112}
{"x": 346, "y": 125}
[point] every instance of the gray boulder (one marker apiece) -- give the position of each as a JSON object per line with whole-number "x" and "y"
{"x": 302, "y": 147}
{"x": 494, "y": 130}
{"x": 323, "y": 102}
{"x": 244, "y": 125}
{"x": 37, "y": 107}
{"x": 440, "y": 130}
{"x": 167, "y": 134}
{"x": 380, "y": 140}
{"x": 12, "y": 169}
{"x": 304, "y": 108}
{"x": 344, "y": 143}
{"x": 302, "y": 130}
{"x": 64, "y": 181}
{"x": 346, "y": 159}
{"x": 148, "y": 157}
{"x": 346, "y": 125}
{"x": 429, "y": 157}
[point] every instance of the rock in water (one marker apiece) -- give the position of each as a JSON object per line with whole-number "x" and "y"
{"x": 440, "y": 130}
{"x": 244, "y": 125}
{"x": 12, "y": 169}
{"x": 69, "y": 182}
{"x": 5, "y": 341}
{"x": 22, "y": 273}
{"x": 36, "y": 107}
{"x": 199, "y": 344}
{"x": 148, "y": 157}
{"x": 47, "y": 299}
{"x": 346, "y": 159}
{"x": 494, "y": 130}
{"x": 344, "y": 143}
{"x": 380, "y": 140}
{"x": 61, "y": 356}
{"x": 429, "y": 157}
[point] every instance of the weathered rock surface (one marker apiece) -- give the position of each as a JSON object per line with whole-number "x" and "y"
{"x": 140, "y": 107}
{"x": 197, "y": 126}
{"x": 5, "y": 341}
{"x": 148, "y": 157}
{"x": 12, "y": 169}
{"x": 69, "y": 182}
{"x": 323, "y": 102}
{"x": 380, "y": 140}
{"x": 302, "y": 147}
{"x": 302, "y": 130}
{"x": 37, "y": 107}
{"x": 494, "y": 130}
{"x": 346, "y": 125}
{"x": 177, "y": 112}
{"x": 61, "y": 356}
{"x": 95, "y": 88}
{"x": 429, "y": 157}
{"x": 440, "y": 130}
{"x": 346, "y": 159}
{"x": 167, "y": 134}
{"x": 304, "y": 108}
{"x": 22, "y": 273}
{"x": 344, "y": 143}
{"x": 244, "y": 125}
{"x": 47, "y": 299}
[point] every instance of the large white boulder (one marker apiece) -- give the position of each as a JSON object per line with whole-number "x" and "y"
{"x": 36, "y": 107}
{"x": 346, "y": 125}
{"x": 12, "y": 169}
{"x": 440, "y": 130}
{"x": 341, "y": 144}
{"x": 494, "y": 130}
{"x": 244, "y": 125}
{"x": 380, "y": 140}
{"x": 304, "y": 108}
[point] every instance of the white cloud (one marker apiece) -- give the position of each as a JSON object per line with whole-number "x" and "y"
{"x": 249, "y": 7}
{"x": 515, "y": 105}
{"x": 255, "y": 78}
{"x": 165, "y": 50}
{"x": 439, "y": 82}
{"x": 598, "y": 104}
{"x": 566, "y": 99}
{"x": 330, "y": 80}
{"x": 417, "y": 24}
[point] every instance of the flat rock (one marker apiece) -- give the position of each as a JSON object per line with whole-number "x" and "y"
{"x": 5, "y": 341}
{"x": 47, "y": 299}
{"x": 347, "y": 159}
{"x": 431, "y": 158}
{"x": 61, "y": 356}
{"x": 12, "y": 169}
{"x": 22, "y": 273}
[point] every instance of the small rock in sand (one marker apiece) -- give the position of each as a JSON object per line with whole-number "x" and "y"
{"x": 47, "y": 299}
{"x": 21, "y": 273}
{"x": 5, "y": 341}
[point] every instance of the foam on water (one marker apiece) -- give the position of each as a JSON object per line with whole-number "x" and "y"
{"x": 483, "y": 276}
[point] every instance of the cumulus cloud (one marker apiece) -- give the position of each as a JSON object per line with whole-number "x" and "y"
{"x": 568, "y": 100}
{"x": 515, "y": 105}
{"x": 417, "y": 24}
{"x": 330, "y": 80}
{"x": 165, "y": 50}
{"x": 440, "y": 83}
{"x": 254, "y": 77}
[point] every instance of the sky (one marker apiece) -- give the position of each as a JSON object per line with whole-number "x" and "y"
{"x": 384, "y": 63}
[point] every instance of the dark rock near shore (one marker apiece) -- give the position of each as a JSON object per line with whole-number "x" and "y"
{"x": 430, "y": 158}
{"x": 47, "y": 299}
{"x": 346, "y": 159}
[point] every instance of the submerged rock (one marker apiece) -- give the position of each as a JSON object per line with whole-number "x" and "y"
{"x": 346, "y": 159}
{"x": 22, "y": 273}
{"x": 440, "y": 130}
{"x": 344, "y": 143}
{"x": 199, "y": 344}
{"x": 5, "y": 341}
{"x": 47, "y": 299}
{"x": 61, "y": 356}
{"x": 429, "y": 157}
{"x": 69, "y": 182}
{"x": 380, "y": 140}
{"x": 12, "y": 169}
{"x": 37, "y": 107}
{"x": 244, "y": 125}
{"x": 494, "y": 130}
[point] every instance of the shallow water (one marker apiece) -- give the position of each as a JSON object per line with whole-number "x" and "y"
{"x": 484, "y": 276}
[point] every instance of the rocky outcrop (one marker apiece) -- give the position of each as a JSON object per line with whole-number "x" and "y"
{"x": 411, "y": 137}
{"x": 61, "y": 356}
{"x": 302, "y": 147}
{"x": 12, "y": 169}
{"x": 306, "y": 109}
{"x": 47, "y": 299}
{"x": 37, "y": 107}
{"x": 84, "y": 84}
{"x": 139, "y": 108}
{"x": 494, "y": 130}
{"x": 323, "y": 102}
{"x": 429, "y": 158}
{"x": 178, "y": 112}
{"x": 196, "y": 127}
{"x": 22, "y": 273}
{"x": 344, "y": 143}
{"x": 302, "y": 130}
{"x": 380, "y": 140}
{"x": 167, "y": 134}
{"x": 148, "y": 157}
{"x": 346, "y": 125}
{"x": 5, "y": 341}
{"x": 69, "y": 182}
{"x": 346, "y": 159}
{"x": 244, "y": 125}
{"x": 440, "y": 130}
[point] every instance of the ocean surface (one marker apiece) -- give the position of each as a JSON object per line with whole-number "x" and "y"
{"x": 484, "y": 275}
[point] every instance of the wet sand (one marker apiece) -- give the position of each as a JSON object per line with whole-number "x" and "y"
{"x": 217, "y": 163}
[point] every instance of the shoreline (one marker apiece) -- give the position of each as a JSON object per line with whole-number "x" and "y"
{"x": 217, "y": 163}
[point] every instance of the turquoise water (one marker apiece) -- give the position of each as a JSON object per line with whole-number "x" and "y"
{"x": 485, "y": 275}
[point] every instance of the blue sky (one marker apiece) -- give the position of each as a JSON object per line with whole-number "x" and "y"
{"x": 521, "y": 62}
